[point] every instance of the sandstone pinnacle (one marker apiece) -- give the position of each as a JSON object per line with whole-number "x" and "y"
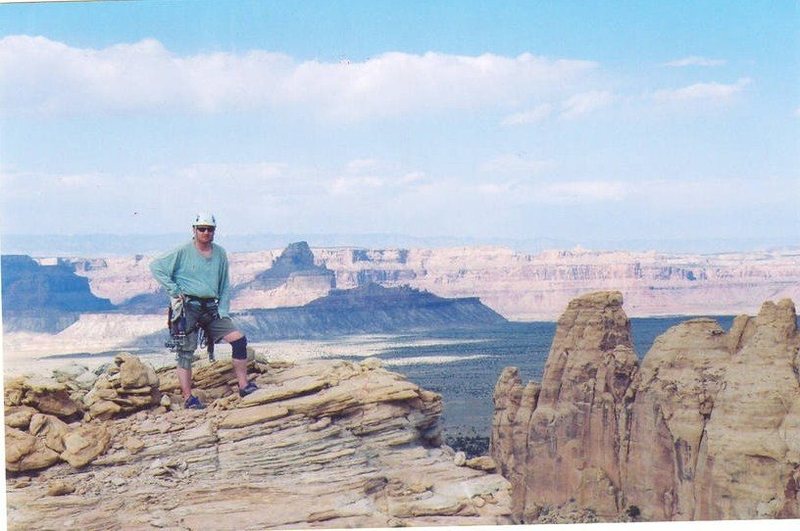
{"x": 707, "y": 428}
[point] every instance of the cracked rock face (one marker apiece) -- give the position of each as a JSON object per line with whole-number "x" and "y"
{"x": 676, "y": 388}
{"x": 564, "y": 437}
{"x": 750, "y": 466}
{"x": 321, "y": 444}
{"x": 707, "y": 429}
{"x": 714, "y": 431}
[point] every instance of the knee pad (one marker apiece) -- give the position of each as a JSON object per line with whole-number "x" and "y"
{"x": 239, "y": 348}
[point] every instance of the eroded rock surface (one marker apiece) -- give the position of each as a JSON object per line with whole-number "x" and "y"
{"x": 750, "y": 465}
{"x": 676, "y": 387}
{"x": 707, "y": 428}
{"x": 128, "y": 385}
{"x": 321, "y": 444}
{"x": 564, "y": 443}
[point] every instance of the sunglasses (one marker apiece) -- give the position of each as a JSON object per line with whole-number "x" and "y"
{"x": 205, "y": 229}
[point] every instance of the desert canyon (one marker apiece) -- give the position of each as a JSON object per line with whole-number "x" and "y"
{"x": 518, "y": 286}
{"x": 704, "y": 426}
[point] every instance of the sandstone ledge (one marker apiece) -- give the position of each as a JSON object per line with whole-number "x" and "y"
{"x": 322, "y": 444}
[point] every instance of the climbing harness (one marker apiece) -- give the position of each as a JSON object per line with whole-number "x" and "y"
{"x": 176, "y": 323}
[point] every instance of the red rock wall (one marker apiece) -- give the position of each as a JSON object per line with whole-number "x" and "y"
{"x": 708, "y": 428}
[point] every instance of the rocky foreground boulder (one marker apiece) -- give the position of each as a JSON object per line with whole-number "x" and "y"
{"x": 707, "y": 428}
{"x": 321, "y": 444}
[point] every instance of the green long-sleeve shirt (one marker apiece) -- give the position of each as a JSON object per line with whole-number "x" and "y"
{"x": 186, "y": 271}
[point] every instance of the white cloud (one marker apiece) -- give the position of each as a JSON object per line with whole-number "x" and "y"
{"x": 702, "y": 92}
{"x": 797, "y": 112}
{"x": 258, "y": 171}
{"x": 413, "y": 178}
{"x": 564, "y": 192}
{"x": 694, "y": 60}
{"x": 728, "y": 193}
{"x": 586, "y": 102}
{"x": 663, "y": 194}
{"x": 572, "y": 107}
{"x": 515, "y": 164}
{"x": 362, "y": 165}
{"x": 43, "y": 76}
{"x": 372, "y": 177}
{"x": 31, "y": 184}
{"x": 497, "y": 188}
{"x": 532, "y": 116}
{"x": 257, "y": 181}
{"x": 584, "y": 191}
{"x": 348, "y": 185}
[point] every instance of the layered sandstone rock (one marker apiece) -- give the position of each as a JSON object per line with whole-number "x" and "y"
{"x": 750, "y": 465}
{"x": 676, "y": 387}
{"x": 519, "y": 286}
{"x": 27, "y": 452}
{"x": 536, "y": 287}
{"x": 128, "y": 386}
{"x": 321, "y": 444}
{"x": 714, "y": 431}
{"x": 293, "y": 279}
{"x": 43, "y": 395}
{"x": 35, "y": 408}
{"x": 567, "y": 447}
{"x": 707, "y": 428}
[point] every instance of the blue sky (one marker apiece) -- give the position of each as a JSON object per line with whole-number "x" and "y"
{"x": 585, "y": 122}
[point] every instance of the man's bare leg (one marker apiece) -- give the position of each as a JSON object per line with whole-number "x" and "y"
{"x": 239, "y": 366}
{"x": 185, "y": 379}
{"x": 240, "y": 370}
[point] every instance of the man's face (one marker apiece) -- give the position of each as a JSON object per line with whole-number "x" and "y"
{"x": 204, "y": 234}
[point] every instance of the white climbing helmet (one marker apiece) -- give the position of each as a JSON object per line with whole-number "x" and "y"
{"x": 204, "y": 219}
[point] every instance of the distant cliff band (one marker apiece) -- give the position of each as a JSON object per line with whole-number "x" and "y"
{"x": 518, "y": 286}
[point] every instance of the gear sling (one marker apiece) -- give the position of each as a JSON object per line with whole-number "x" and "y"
{"x": 176, "y": 323}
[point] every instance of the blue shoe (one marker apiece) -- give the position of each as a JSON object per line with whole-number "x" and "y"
{"x": 193, "y": 403}
{"x": 249, "y": 388}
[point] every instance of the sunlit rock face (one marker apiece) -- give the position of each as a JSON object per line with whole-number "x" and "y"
{"x": 715, "y": 432}
{"x": 750, "y": 465}
{"x": 707, "y": 428}
{"x": 523, "y": 286}
{"x": 321, "y": 444}
{"x": 566, "y": 446}
{"x": 293, "y": 279}
{"x": 676, "y": 388}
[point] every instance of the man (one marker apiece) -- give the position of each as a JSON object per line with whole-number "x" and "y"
{"x": 196, "y": 278}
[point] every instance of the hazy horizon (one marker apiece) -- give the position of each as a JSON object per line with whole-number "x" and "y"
{"x": 99, "y": 245}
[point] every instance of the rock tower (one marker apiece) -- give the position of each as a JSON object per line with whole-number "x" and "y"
{"x": 707, "y": 428}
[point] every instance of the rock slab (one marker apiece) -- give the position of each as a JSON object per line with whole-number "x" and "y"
{"x": 321, "y": 444}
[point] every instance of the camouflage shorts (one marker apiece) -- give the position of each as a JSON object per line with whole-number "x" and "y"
{"x": 217, "y": 328}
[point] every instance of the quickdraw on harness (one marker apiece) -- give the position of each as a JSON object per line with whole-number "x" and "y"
{"x": 176, "y": 324}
